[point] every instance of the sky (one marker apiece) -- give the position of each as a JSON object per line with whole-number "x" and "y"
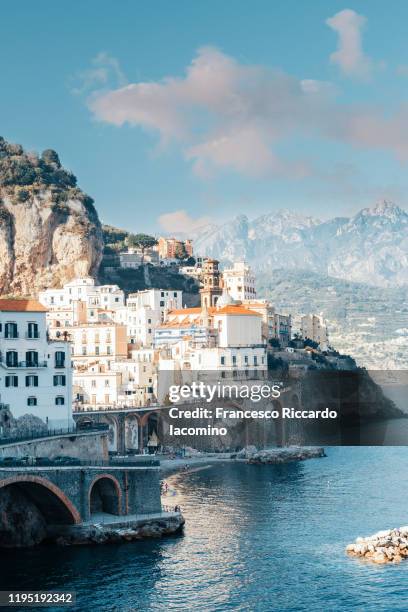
{"x": 175, "y": 114}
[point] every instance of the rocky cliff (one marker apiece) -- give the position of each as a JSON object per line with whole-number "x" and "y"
{"x": 49, "y": 229}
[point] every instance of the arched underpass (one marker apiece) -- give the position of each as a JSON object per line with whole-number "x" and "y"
{"x": 105, "y": 496}
{"x": 28, "y": 505}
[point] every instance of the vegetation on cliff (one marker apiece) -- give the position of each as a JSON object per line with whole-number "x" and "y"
{"x": 49, "y": 228}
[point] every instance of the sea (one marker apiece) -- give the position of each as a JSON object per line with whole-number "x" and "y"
{"x": 257, "y": 538}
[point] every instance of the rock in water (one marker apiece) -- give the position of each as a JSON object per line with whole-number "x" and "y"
{"x": 386, "y": 546}
{"x": 49, "y": 229}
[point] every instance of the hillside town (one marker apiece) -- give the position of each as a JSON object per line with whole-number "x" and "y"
{"x": 87, "y": 347}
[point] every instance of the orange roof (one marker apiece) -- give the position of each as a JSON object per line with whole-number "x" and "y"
{"x": 237, "y": 310}
{"x": 185, "y": 311}
{"x": 230, "y": 309}
{"x": 20, "y": 305}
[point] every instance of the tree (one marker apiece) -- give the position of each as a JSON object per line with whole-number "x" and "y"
{"x": 190, "y": 261}
{"x": 180, "y": 251}
{"x": 141, "y": 241}
{"x": 49, "y": 156}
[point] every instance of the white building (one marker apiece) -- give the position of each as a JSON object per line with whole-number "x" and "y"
{"x": 226, "y": 338}
{"x": 35, "y": 372}
{"x": 240, "y": 281}
{"x": 313, "y": 327}
{"x": 130, "y": 260}
{"x": 274, "y": 325}
{"x": 144, "y": 311}
{"x": 105, "y": 297}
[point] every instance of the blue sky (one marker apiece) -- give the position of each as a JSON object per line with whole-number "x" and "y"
{"x": 267, "y": 104}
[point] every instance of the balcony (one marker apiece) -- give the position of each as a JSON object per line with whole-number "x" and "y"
{"x": 22, "y": 364}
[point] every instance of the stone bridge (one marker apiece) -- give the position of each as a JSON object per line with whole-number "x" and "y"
{"x": 130, "y": 428}
{"x": 71, "y": 495}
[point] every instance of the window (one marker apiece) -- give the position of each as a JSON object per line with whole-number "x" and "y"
{"x": 96, "y": 350}
{"x": 59, "y": 359}
{"x": 93, "y": 383}
{"x": 12, "y": 359}
{"x": 234, "y": 360}
{"x": 31, "y": 380}
{"x": 255, "y": 361}
{"x": 175, "y": 294}
{"x": 32, "y": 330}
{"x": 32, "y": 359}
{"x": 59, "y": 380}
{"x": 246, "y": 359}
{"x": 162, "y": 303}
{"x": 223, "y": 360}
{"x": 59, "y": 400}
{"x": 31, "y": 401}
{"x": 10, "y": 330}
{"x": 84, "y": 350}
{"x": 107, "y": 382}
{"x": 11, "y": 381}
{"x": 108, "y": 350}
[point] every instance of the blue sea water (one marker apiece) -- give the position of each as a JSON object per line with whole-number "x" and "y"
{"x": 257, "y": 538}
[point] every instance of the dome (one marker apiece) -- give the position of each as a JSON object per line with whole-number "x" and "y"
{"x": 225, "y": 299}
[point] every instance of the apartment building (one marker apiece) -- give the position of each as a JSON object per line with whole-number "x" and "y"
{"x": 35, "y": 371}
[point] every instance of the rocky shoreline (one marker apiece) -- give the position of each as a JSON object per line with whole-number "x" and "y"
{"x": 170, "y": 523}
{"x": 250, "y": 455}
{"x": 281, "y": 455}
{"x": 388, "y": 546}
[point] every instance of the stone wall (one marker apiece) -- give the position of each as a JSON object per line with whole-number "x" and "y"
{"x": 86, "y": 446}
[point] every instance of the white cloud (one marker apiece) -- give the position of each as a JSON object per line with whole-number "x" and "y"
{"x": 104, "y": 70}
{"x": 227, "y": 116}
{"x": 180, "y": 222}
{"x": 350, "y": 56}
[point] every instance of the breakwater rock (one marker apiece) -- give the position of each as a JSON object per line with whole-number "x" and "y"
{"x": 280, "y": 455}
{"x": 116, "y": 532}
{"x": 389, "y": 546}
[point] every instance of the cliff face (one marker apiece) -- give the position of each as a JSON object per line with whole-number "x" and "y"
{"x": 49, "y": 229}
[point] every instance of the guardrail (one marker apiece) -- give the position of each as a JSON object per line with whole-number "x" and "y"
{"x": 44, "y": 462}
{"x": 22, "y": 364}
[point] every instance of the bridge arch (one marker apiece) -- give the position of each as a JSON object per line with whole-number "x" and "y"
{"x": 105, "y": 495}
{"x": 51, "y": 501}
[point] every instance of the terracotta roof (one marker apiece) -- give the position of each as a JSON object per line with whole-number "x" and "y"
{"x": 230, "y": 309}
{"x": 185, "y": 311}
{"x": 237, "y": 310}
{"x": 20, "y": 305}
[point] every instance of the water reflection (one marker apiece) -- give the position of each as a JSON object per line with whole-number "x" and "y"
{"x": 257, "y": 538}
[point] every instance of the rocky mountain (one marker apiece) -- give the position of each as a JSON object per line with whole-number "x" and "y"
{"x": 370, "y": 247}
{"x": 49, "y": 228}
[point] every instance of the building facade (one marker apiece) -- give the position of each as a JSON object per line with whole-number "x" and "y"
{"x": 240, "y": 281}
{"x": 171, "y": 248}
{"x": 35, "y": 372}
{"x": 313, "y": 327}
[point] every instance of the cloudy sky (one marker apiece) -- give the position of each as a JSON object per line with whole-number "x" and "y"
{"x": 175, "y": 113}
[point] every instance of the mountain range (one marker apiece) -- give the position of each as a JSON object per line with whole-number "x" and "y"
{"x": 370, "y": 247}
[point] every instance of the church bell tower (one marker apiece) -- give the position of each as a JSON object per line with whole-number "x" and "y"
{"x": 211, "y": 288}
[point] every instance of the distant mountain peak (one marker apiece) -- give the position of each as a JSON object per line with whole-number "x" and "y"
{"x": 369, "y": 247}
{"x": 384, "y": 208}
